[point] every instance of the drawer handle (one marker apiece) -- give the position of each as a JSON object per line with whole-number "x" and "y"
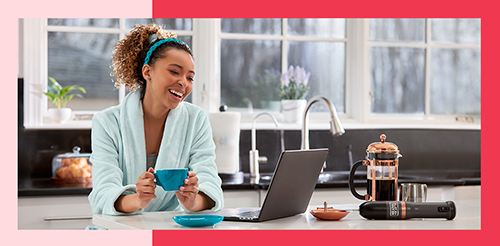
{"x": 68, "y": 218}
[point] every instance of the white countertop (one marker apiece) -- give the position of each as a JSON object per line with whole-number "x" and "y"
{"x": 468, "y": 217}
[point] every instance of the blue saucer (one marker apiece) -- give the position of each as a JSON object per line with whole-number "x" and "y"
{"x": 197, "y": 220}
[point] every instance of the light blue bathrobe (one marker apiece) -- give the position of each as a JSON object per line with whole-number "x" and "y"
{"x": 119, "y": 154}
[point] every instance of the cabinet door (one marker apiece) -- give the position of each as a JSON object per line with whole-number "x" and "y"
{"x": 434, "y": 194}
{"x": 239, "y": 198}
{"x": 54, "y": 212}
{"x": 467, "y": 192}
{"x": 332, "y": 196}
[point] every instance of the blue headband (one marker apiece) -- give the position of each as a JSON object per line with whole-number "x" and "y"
{"x": 153, "y": 48}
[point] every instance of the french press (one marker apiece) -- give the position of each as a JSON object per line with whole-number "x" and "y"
{"x": 382, "y": 172}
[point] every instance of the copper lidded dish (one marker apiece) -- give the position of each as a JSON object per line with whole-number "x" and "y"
{"x": 329, "y": 213}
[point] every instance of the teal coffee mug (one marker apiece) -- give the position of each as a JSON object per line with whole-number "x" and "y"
{"x": 171, "y": 179}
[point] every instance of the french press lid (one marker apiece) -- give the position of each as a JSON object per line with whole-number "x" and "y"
{"x": 382, "y": 150}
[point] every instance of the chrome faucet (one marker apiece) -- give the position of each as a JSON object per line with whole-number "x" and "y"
{"x": 254, "y": 153}
{"x": 335, "y": 126}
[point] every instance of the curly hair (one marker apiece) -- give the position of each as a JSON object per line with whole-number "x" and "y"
{"x": 130, "y": 52}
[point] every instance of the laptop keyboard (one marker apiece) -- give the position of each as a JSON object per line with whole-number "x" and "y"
{"x": 250, "y": 214}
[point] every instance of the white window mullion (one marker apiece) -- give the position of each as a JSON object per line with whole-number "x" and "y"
{"x": 245, "y": 36}
{"x": 35, "y": 70}
{"x": 123, "y": 32}
{"x": 350, "y": 52}
{"x": 428, "y": 38}
{"x": 284, "y": 46}
{"x": 358, "y": 82}
{"x": 366, "y": 99}
{"x": 78, "y": 29}
{"x": 206, "y": 50}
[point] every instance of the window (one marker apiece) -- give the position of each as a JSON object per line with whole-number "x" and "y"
{"x": 83, "y": 58}
{"x": 456, "y": 67}
{"x": 404, "y": 51}
{"x": 78, "y": 52}
{"x": 254, "y": 53}
{"x": 373, "y": 70}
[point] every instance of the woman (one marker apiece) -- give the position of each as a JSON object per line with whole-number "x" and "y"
{"x": 153, "y": 129}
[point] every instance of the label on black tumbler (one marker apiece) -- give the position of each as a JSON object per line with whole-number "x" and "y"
{"x": 393, "y": 212}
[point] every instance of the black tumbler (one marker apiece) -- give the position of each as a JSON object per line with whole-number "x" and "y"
{"x": 399, "y": 210}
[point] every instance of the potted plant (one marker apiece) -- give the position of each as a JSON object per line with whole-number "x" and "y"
{"x": 294, "y": 89}
{"x": 60, "y": 96}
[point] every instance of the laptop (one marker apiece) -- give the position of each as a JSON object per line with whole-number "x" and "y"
{"x": 290, "y": 189}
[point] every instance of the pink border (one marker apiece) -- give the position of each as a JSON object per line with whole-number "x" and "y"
{"x": 367, "y": 9}
{"x": 257, "y": 8}
{"x": 56, "y": 9}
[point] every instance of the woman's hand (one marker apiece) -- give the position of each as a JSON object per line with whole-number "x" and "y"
{"x": 190, "y": 197}
{"x": 145, "y": 188}
{"x": 145, "y": 192}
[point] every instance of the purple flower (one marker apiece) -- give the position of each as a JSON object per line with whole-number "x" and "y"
{"x": 284, "y": 79}
{"x": 297, "y": 74}
{"x": 301, "y": 75}
{"x": 294, "y": 83}
{"x": 291, "y": 71}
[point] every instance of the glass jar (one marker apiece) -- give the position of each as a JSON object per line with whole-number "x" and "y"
{"x": 72, "y": 167}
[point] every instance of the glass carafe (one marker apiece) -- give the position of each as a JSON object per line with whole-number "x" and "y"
{"x": 382, "y": 161}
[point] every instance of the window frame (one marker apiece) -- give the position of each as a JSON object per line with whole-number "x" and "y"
{"x": 206, "y": 92}
{"x": 427, "y": 117}
{"x": 285, "y": 38}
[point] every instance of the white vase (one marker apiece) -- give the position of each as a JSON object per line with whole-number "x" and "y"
{"x": 293, "y": 110}
{"x": 59, "y": 115}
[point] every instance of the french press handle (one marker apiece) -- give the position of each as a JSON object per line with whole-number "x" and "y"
{"x": 351, "y": 180}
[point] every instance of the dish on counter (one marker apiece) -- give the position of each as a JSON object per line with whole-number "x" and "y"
{"x": 330, "y": 214}
{"x": 73, "y": 170}
{"x": 197, "y": 220}
{"x": 72, "y": 167}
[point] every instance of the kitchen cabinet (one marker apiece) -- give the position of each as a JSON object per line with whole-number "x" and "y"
{"x": 331, "y": 196}
{"x": 469, "y": 192}
{"x": 242, "y": 198}
{"x": 54, "y": 212}
{"x": 74, "y": 212}
{"x": 437, "y": 193}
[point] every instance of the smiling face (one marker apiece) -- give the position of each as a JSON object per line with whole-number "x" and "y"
{"x": 171, "y": 80}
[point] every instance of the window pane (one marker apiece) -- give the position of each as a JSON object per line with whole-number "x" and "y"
{"x": 252, "y": 26}
{"x": 398, "y": 80}
{"x": 188, "y": 40}
{"x": 84, "y": 59}
{"x": 456, "y": 30}
{"x": 455, "y": 81}
{"x": 325, "y": 28}
{"x": 84, "y": 22}
{"x": 397, "y": 30}
{"x": 326, "y": 62}
{"x": 168, "y": 24}
{"x": 250, "y": 71}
